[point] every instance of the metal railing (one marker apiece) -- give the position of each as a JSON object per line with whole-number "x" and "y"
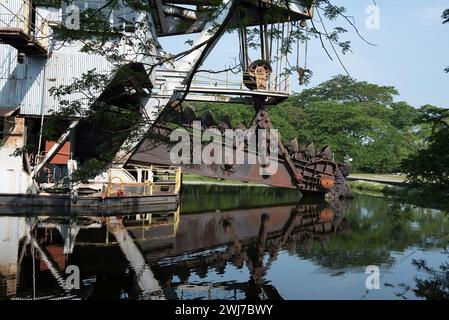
{"x": 229, "y": 80}
{"x": 144, "y": 181}
{"x": 20, "y": 20}
{"x": 143, "y": 223}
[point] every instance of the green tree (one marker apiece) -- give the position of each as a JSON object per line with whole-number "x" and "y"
{"x": 430, "y": 164}
{"x": 359, "y": 119}
{"x": 365, "y": 133}
{"x": 345, "y": 89}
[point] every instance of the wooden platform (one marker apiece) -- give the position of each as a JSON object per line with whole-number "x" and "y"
{"x": 22, "y": 41}
{"x": 61, "y": 204}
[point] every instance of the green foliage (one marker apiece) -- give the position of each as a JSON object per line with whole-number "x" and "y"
{"x": 48, "y": 3}
{"x": 445, "y": 16}
{"x": 365, "y": 134}
{"x": 359, "y": 119}
{"x": 430, "y": 165}
{"x": 345, "y": 89}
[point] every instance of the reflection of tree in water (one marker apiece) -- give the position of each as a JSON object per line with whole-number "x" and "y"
{"x": 398, "y": 222}
{"x": 384, "y": 227}
{"x": 435, "y": 287}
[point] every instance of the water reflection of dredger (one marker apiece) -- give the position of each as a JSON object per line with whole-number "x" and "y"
{"x": 254, "y": 239}
{"x": 23, "y": 244}
{"x": 141, "y": 255}
{"x": 34, "y": 251}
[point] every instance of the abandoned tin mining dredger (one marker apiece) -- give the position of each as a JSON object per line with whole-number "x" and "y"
{"x": 32, "y": 61}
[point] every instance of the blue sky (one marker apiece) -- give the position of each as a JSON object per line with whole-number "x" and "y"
{"x": 412, "y": 50}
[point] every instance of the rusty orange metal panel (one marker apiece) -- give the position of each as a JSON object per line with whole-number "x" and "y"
{"x": 56, "y": 251}
{"x": 62, "y": 156}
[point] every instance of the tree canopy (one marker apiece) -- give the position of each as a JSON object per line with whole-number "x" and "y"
{"x": 430, "y": 164}
{"x": 345, "y": 89}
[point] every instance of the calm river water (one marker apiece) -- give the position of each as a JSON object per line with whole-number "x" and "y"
{"x": 234, "y": 244}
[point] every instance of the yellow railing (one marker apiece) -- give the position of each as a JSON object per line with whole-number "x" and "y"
{"x": 144, "y": 181}
{"x": 144, "y": 223}
{"x": 21, "y": 20}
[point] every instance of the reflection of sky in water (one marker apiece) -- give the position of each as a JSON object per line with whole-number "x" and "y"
{"x": 232, "y": 274}
{"x": 415, "y": 225}
{"x": 300, "y": 279}
{"x": 365, "y": 213}
{"x": 309, "y": 281}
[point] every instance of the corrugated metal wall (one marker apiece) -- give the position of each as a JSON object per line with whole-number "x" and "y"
{"x": 44, "y": 15}
{"x": 31, "y": 81}
{"x": 9, "y": 83}
{"x": 63, "y": 69}
{"x": 21, "y": 85}
{"x": 14, "y": 14}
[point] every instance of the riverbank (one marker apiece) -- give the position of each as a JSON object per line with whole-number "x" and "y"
{"x": 392, "y": 179}
{"x": 389, "y": 186}
{"x": 412, "y": 193}
{"x": 192, "y": 179}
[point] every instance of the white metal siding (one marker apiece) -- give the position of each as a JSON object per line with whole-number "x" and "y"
{"x": 9, "y": 82}
{"x": 44, "y": 15}
{"x": 21, "y": 85}
{"x": 14, "y": 14}
{"x": 63, "y": 69}
{"x": 32, "y": 73}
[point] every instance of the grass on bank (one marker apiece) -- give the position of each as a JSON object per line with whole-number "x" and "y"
{"x": 190, "y": 178}
{"x": 380, "y": 177}
{"x": 415, "y": 194}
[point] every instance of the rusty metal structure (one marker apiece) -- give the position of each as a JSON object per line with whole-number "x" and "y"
{"x": 35, "y": 61}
